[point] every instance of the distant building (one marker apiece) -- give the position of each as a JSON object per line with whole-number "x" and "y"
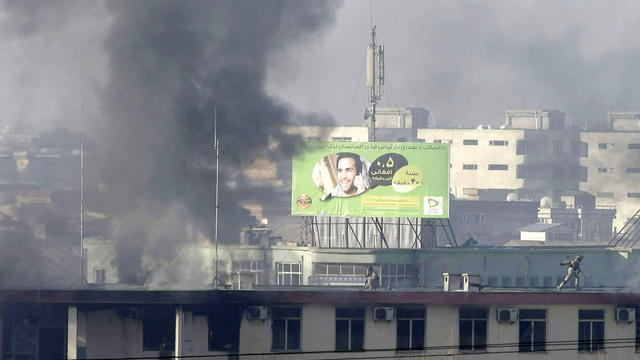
{"x": 612, "y": 165}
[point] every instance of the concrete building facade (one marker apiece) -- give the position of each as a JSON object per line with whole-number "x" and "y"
{"x": 310, "y": 324}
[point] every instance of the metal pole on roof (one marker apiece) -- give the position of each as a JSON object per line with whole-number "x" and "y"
{"x": 216, "y": 147}
{"x": 82, "y": 274}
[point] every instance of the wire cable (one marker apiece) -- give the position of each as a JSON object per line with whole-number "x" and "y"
{"x": 563, "y": 345}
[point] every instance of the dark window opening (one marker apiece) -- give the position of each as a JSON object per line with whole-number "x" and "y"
{"x": 533, "y": 330}
{"x": 473, "y": 329}
{"x": 349, "y": 329}
{"x": 498, "y": 167}
{"x": 158, "y": 328}
{"x": 410, "y": 331}
{"x": 224, "y": 328}
{"x": 285, "y": 329}
{"x": 469, "y": 142}
{"x": 591, "y": 330}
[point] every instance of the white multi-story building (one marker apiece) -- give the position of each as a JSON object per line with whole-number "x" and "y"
{"x": 613, "y": 165}
{"x": 318, "y": 324}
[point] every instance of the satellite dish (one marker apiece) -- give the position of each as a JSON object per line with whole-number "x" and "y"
{"x": 365, "y": 113}
{"x": 546, "y": 202}
{"x": 512, "y": 197}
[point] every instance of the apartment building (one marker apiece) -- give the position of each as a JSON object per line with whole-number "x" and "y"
{"x": 613, "y": 165}
{"x": 318, "y": 324}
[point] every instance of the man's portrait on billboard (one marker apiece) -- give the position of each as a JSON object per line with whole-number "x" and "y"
{"x": 341, "y": 175}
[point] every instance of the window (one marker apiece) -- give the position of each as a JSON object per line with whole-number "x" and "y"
{"x": 469, "y": 142}
{"x": 590, "y": 330}
{"x": 602, "y": 146}
{"x": 469, "y": 167}
{"x": 349, "y": 329}
{"x": 602, "y": 170}
{"x": 285, "y": 328}
{"x": 633, "y": 170}
{"x": 478, "y": 218}
{"x": 100, "y": 276}
{"x": 633, "y": 146}
{"x": 523, "y": 148}
{"x": 341, "y": 138}
{"x": 520, "y": 281}
{"x": 498, "y": 142}
{"x": 633, "y": 195}
{"x": 289, "y": 274}
{"x": 492, "y": 281}
{"x": 340, "y": 269}
{"x": 437, "y": 141}
{"x": 605, "y": 194}
{"x": 158, "y": 328}
{"x": 397, "y": 275}
{"x": 522, "y": 171}
{"x": 558, "y": 148}
{"x": 245, "y": 274}
{"x": 637, "y": 329}
{"x": 533, "y": 282}
{"x": 498, "y": 167}
{"x": 578, "y": 148}
{"x": 410, "y": 331}
{"x": 547, "y": 281}
{"x": 473, "y": 329}
{"x": 224, "y": 328}
{"x": 506, "y": 281}
{"x": 533, "y": 330}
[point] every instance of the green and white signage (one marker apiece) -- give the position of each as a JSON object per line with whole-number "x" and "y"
{"x": 372, "y": 179}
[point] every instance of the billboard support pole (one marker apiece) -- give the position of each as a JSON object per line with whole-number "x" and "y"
{"x": 355, "y": 235}
{"x": 418, "y": 235}
{"x": 380, "y": 230}
{"x": 346, "y": 232}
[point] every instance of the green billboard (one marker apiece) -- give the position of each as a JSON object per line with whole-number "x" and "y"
{"x": 371, "y": 179}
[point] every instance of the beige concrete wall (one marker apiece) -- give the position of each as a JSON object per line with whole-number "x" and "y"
{"x": 109, "y": 336}
{"x": 482, "y": 155}
{"x": 618, "y": 157}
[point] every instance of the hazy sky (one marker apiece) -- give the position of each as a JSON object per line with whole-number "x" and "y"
{"x": 468, "y": 61}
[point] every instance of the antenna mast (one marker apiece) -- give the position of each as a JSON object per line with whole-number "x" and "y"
{"x": 216, "y": 147}
{"x": 82, "y": 274}
{"x": 375, "y": 80}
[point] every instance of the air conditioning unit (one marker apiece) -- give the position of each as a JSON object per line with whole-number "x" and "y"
{"x": 507, "y": 315}
{"x": 625, "y": 314}
{"x": 382, "y": 313}
{"x": 257, "y": 313}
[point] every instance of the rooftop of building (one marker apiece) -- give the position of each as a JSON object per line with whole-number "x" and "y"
{"x": 323, "y": 295}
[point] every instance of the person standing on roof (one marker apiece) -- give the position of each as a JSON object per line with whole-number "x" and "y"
{"x": 572, "y": 272}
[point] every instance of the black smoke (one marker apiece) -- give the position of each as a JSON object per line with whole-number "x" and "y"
{"x": 171, "y": 63}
